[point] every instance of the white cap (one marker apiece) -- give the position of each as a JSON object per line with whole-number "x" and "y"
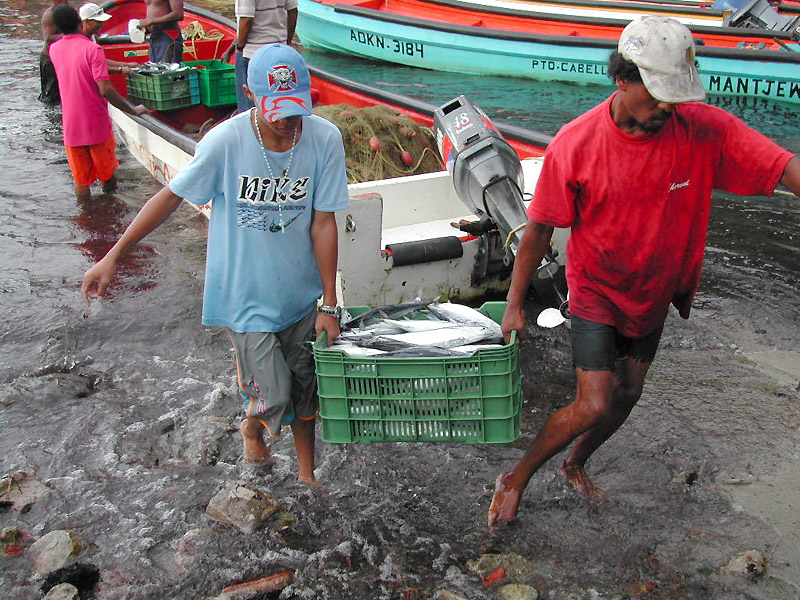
{"x": 90, "y": 11}
{"x": 663, "y": 50}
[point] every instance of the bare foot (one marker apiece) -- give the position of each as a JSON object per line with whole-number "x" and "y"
{"x": 110, "y": 185}
{"x": 311, "y": 482}
{"x": 82, "y": 191}
{"x": 579, "y": 480}
{"x": 505, "y": 502}
{"x": 256, "y": 450}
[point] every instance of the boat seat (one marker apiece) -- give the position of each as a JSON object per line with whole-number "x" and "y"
{"x": 419, "y": 231}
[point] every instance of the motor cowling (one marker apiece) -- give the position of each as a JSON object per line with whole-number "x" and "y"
{"x": 486, "y": 171}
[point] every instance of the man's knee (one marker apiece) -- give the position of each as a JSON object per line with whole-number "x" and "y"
{"x": 591, "y": 409}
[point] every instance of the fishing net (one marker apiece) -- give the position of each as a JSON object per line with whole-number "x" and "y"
{"x": 381, "y": 143}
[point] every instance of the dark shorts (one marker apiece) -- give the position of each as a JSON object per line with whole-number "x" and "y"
{"x": 166, "y": 48}
{"x": 598, "y": 347}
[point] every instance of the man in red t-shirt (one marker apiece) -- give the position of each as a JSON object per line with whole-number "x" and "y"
{"x": 632, "y": 178}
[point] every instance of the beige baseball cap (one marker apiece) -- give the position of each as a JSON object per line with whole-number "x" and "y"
{"x": 90, "y": 11}
{"x": 663, "y": 50}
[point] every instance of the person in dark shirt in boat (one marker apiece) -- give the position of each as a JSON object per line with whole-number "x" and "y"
{"x": 161, "y": 21}
{"x": 47, "y": 74}
{"x": 632, "y": 178}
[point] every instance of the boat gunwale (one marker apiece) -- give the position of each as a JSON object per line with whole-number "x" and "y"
{"x": 681, "y": 10}
{"x": 607, "y": 21}
{"x": 564, "y": 40}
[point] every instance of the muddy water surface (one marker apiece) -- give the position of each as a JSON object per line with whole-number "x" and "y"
{"x": 126, "y": 412}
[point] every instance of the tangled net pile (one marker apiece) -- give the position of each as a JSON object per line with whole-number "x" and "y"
{"x": 380, "y": 143}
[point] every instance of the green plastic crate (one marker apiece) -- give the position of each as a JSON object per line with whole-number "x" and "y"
{"x": 217, "y": 82}
{"x": 473, "y": 399}
{"x": 164, "y": 91}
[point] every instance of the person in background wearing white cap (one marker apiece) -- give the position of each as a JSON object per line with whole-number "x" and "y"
{"x": 92, "y": 19}
{"x": 85, "y": 93}
{"x": 161, "y": 21}
{"x": 632, "y": 178}
{"x": 259, "y": 22}
{"x": 275, "y": 175}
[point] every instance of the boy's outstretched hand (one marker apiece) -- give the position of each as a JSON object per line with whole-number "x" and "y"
{"x": 96, "y": 280}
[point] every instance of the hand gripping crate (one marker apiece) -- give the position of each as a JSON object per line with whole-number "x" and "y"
{"x": 217, "y": 82}
{"x": 165, "y": 90}
{"x": 473, "y": 399}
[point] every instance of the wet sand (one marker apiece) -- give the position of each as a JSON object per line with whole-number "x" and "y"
{"x": 135, "y": 451}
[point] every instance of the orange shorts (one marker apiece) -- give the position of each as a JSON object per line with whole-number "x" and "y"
{"x": 90, "y": 163}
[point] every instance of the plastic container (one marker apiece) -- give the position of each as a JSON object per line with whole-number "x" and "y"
{"x": 473, "y": 399}
{"x": 164, "y": 91}
{"x": 217, "y": 82}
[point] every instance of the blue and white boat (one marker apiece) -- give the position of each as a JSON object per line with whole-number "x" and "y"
{"x": 407, "y": 37}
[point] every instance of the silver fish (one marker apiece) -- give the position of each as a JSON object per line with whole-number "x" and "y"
{"x": 447, "y": 337}
{"x": 466, "y": 315}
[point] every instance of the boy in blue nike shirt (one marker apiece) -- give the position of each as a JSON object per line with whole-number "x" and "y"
{"x": 275, "y": 176}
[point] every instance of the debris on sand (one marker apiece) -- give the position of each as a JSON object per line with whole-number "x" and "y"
{"x": 243, "y": 506}
{"x": 272, "y": 583}
{"x": 518, "y": 591}
{"x": 515, "y": 567}
{"x": 63, "y": 591}
{"x": 750, "y": 564}
{"x": 56, "y": 550}
{"x": 20, "y": 490}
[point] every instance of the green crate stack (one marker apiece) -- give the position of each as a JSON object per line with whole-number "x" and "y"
{"x": 164, "y": 91}
{"x": 217, "y": 82}
{"x": 473, "y": 399}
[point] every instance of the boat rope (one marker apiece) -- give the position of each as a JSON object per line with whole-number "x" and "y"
{"x": 507, "y": 245}
{"x": 194, "y": 31}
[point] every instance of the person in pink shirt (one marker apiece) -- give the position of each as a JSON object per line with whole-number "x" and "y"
{"x": 85, "y": 93}
{"x": 632, "y": 178}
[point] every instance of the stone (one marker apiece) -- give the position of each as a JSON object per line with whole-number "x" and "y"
{"x": 63, "y": 591}
{"x": 12, "y": 541}
{"x": 516, "y": 567}
{"x": 55, "y": 550}
{"x": 83, "y": 576}
{"x": 448, "y": 595}
{"x": 518, "y": 591}
{"x": 750, "y": 564}
{"x": 192, "y": 546}
{"x": 243, "y": 506}
{"x": 21, "y": 490}
{"x": 685, "y": 478}
{"x": 248, "y": 589}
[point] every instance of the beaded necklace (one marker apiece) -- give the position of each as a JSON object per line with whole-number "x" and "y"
{"x": 275, "y": 181}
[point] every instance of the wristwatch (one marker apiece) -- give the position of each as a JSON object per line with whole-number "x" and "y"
{"x": 240, "y": 48}
{"x": 331, "y": 311}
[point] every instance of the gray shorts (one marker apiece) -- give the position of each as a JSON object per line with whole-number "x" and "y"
{"x": 598, "y": 347}
{"x": 276, "y": 374}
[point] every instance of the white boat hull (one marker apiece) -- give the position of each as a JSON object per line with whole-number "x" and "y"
{"x": 381, "y": 213}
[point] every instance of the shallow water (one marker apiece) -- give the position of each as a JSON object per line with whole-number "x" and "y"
{"x": 126, "y": 410}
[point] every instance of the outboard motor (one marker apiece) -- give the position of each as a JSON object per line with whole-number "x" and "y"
{"x": 487, "y": 176}
{"x": 486, "y": 171}
{"x": 759, "y": 14}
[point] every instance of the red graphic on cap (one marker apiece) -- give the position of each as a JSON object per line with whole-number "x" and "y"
{"x": 281, "y": 107}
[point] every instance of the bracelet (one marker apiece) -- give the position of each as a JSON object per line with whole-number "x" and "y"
{"x": 331, "y": 311}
